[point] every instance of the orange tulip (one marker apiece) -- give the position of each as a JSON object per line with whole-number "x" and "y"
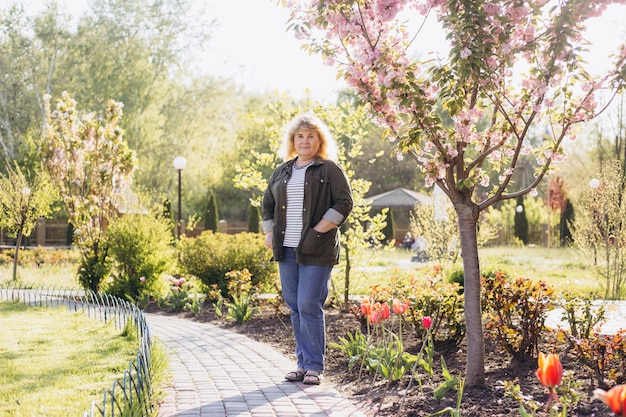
{"x": 400, "y": 307}
{"x": 615, "y": 398}
{"x": 375, "y": 315}
{"x": 379, "y": 312}
{"x": 550, "y": 370}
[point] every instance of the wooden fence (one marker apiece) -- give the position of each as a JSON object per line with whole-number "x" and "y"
{"x": 53, "y": 233}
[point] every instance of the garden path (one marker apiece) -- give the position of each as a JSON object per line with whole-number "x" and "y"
{"x": 216, "y": 372}
{"x": 614, "y": 317}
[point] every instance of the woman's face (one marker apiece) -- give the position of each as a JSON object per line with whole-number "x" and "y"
{"x": 307, "y": 143}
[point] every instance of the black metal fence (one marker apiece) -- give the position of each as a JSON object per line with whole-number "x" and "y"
{"x": 128, "y": 396}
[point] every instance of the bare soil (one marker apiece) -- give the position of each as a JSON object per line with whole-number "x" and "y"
{"x": 376, "y": 397}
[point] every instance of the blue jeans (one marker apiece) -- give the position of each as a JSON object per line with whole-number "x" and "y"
{"x": 305, "y": 288}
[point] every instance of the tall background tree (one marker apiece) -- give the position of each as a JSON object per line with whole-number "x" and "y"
{"x": 168, "y": 110}
{"x": 513, "y": 68}
{"x": 520, "y": 221}
{"x": 211, "y": 217}
{"x": 254, "y": 219}
{"x": 599, "y": 229}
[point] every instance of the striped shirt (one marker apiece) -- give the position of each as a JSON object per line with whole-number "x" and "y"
{"x": 295, "y": 206}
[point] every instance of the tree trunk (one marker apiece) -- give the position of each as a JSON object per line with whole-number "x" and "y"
{"x": 475, "y": 367}
{"x": 346, "y": 291}
{"x": 18, "y": 242}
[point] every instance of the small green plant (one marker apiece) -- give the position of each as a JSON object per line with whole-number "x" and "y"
{"x": 580, "y": 314}
{"x": 353, "y": 346}
{"x": 239, "y": 288}
{"x": 603, "y": 355}
{"x": 181, "y": 293}
{"x": 568, "y": 395}
{"x": 241, "y": 309}
{"x": 449, "y": 383}
{"x": 390, "y": 360}
{"x": 215, "y": 296}
{"x": 195, "y": 302}
{"x": 141, "y": 301}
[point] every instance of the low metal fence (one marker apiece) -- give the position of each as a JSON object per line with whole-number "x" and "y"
{"x": 128, "y": 396}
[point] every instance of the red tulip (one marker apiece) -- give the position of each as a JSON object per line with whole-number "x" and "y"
{"x": 550, "y": 371}
{"x": 427, "y": 321}
{"x": 400, "y": 307}
{"x": 384, "y": 311}
{"x": 366, "y": 307}
{"x": 615, "y": 398}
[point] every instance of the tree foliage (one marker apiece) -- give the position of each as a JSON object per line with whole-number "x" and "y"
{"x": 467, "y": 119}
{"x": 23, "y": 199}
{"x": 91, "y": 166}
{"x": 599, "y": 230}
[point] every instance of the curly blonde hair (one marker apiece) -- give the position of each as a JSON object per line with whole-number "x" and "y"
{"x": 328, "y": 146}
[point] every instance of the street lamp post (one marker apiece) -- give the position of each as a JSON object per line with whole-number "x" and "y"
{"x": 180, "y": 163}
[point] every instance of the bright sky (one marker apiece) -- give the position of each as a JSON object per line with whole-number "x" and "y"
{"x": 250, "y": 44}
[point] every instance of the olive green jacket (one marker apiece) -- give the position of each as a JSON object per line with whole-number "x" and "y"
{"x": 327, "y": 194}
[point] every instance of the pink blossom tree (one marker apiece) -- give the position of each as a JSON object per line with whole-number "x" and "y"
{"x": 471, "y": 118}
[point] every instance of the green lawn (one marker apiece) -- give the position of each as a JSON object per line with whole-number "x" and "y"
{"x": 54, "y": 363}
{"x": 559, "y": 267}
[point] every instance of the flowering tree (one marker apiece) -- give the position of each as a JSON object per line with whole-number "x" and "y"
{"x": 91, "y": 165}
{"x": 467, "y": 119}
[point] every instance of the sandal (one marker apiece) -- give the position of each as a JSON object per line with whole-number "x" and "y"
{"x": 295, "y": 376}
{"x": 312, "y": 378}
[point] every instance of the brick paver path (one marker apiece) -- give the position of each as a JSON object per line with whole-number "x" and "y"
{"x": 216, "y": 372}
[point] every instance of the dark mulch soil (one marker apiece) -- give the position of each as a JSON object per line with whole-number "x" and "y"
{"x": 376, "y": 398}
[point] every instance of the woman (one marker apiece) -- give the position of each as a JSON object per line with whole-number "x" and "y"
{"x": 307, "y": 198}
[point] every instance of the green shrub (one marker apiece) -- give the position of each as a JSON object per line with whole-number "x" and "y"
{"x": 94, "y": 266}
{"x": 515, "y": 311}
{"x": 141, "y": 248}
{"x": 211, "y": 255}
